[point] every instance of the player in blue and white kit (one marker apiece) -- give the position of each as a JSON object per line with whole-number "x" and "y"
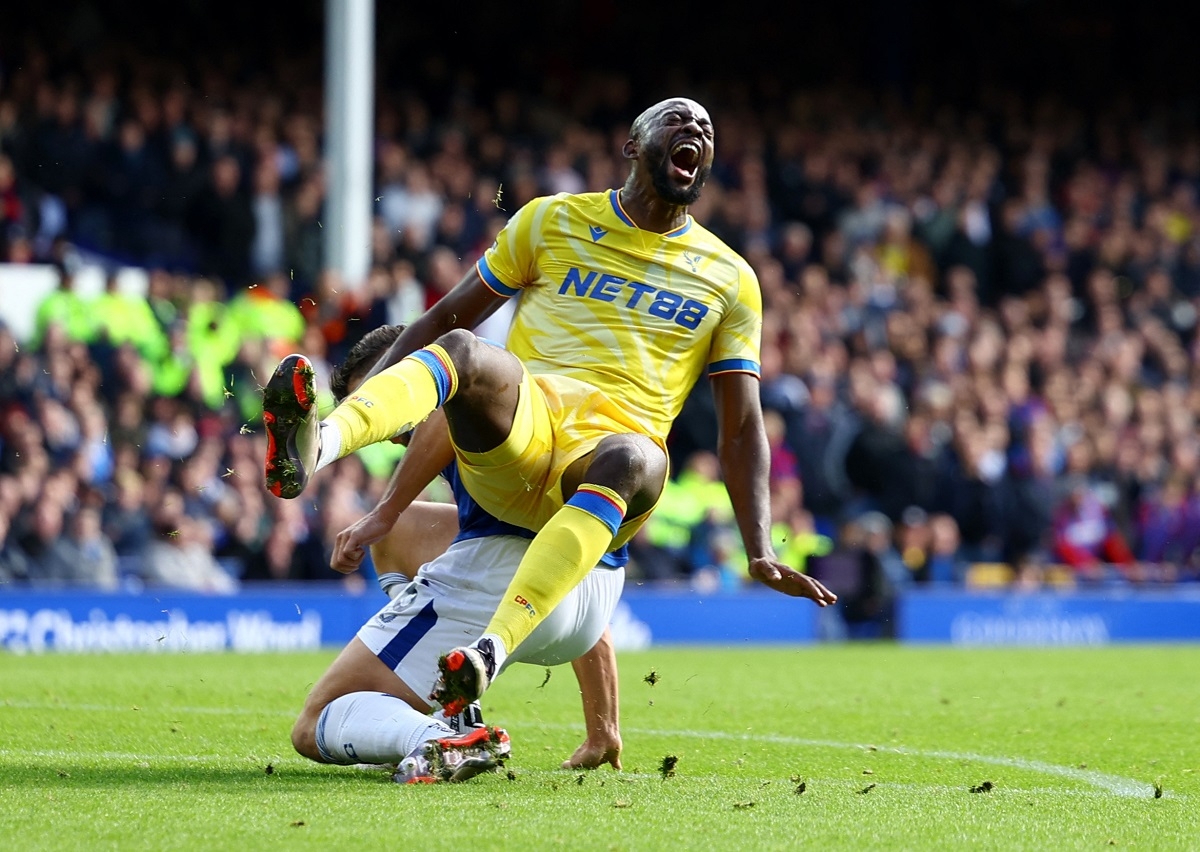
{"x": 369, "y": 705}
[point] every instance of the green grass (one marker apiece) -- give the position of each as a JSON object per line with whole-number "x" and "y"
{"x": 192, "y": 752}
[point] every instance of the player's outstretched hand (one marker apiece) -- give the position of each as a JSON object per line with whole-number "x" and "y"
{"x": 351, "y": 544}
{"x": 783, "y": 579}
{"x": 593, "y": 754}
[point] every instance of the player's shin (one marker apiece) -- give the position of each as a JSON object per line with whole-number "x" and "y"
{"x": 372, "y": 727}
{"x": 389, "y": 403}
{"x": 558, "y": 558}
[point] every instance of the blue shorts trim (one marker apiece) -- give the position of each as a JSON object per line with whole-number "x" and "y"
{"x": 408, "y": 637}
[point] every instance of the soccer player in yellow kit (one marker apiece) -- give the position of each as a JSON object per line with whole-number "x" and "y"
{"x": 624, "y": 301}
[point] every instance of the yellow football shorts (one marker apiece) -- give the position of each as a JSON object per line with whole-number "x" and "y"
{"x": 558, "y": 420}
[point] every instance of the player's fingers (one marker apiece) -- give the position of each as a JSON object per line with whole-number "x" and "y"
{"x": 802, "y": 586}
{"x": 821, "y": 595}
{"x": 583, "y": 758}
{"x": 826, "y": 595}
{"x": 344, "y": 566}
{"x": 346, "y": 556}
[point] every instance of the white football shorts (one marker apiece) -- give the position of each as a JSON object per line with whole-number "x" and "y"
{"x": 452, "y": 599}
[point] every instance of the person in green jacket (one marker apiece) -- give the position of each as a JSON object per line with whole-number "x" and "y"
{"x": 263, "y": 311}
{"x": 213, "y": 339}
{"x": 126, "y": 318}
{"x": 66, "y": 308}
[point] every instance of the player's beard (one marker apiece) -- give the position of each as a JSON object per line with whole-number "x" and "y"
{"x": 660, "y": 176}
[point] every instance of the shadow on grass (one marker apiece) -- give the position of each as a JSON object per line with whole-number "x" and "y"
{"x": 63, "y": 775}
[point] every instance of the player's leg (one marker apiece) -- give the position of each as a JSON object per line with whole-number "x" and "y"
{"x": 364, "y": 709}
{"x": 577, "y": 630}
{"x": 352, "y": 716}
{"x": 384, "y": 732}
{"x": 625, "y": 472}
{"x": 366, "y": 726}
{"x": 422, "y": 533}
{"x": 475, "y": 381}
{"x": 574, "y": 626}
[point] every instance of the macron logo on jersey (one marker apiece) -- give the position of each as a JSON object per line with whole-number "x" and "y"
{"x": 597, "y": 232}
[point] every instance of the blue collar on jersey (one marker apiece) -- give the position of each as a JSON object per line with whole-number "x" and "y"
{"x": 614, "y": 196}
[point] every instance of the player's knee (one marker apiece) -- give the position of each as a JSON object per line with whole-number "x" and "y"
{"x": 632, "y": 465}
{"x": 304, "y": 737}
{"x": 483, "y": 370}
{"x": 463, "y": 348}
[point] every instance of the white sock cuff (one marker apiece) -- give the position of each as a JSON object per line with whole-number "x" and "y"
{"x": 331, "y": 445}
{"x": 501, "y": 652}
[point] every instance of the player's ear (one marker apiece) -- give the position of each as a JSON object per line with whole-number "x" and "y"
{"x": 629, "y": 150}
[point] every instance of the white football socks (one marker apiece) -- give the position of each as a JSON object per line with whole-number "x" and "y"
{"x": 330, "y": 440}
{"x": 499, "y": 652}
{"x": 373, "y": 727}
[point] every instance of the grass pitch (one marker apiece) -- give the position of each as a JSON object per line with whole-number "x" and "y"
{"x": 851, "y": 747}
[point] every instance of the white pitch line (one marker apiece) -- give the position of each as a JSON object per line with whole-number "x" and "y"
{"x": 1114, "y": 784}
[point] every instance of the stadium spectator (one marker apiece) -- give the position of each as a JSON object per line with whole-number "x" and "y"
{"x": 264, "y": 311}
{"x": 180, "y": 554}
{"x": 14, "y": 564}
{"x": 1085, "y": 537}
{"x": 58, "y": 557}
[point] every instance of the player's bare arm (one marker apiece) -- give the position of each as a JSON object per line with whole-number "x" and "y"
{"x": 429, "y": 451}
{"x": 597, "y": 674}
{"x": 745, "y": 461}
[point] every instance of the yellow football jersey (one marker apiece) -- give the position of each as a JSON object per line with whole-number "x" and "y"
{"x": 639, "y": 315}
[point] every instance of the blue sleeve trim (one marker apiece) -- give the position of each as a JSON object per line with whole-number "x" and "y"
{"x": 494, "y": 283}
{"x": 733, "y": 365}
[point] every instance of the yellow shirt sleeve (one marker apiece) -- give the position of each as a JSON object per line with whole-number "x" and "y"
{"x": 737, "y": 342}
{"x": 510, "y": 264}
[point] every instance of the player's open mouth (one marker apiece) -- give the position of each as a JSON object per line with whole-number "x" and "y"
{"x": 685, "y": 157}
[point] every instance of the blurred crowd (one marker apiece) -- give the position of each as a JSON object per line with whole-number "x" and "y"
{"x": 979, "y": 349}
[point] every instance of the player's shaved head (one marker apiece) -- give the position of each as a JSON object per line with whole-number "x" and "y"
{"x": 644, "y": 121}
